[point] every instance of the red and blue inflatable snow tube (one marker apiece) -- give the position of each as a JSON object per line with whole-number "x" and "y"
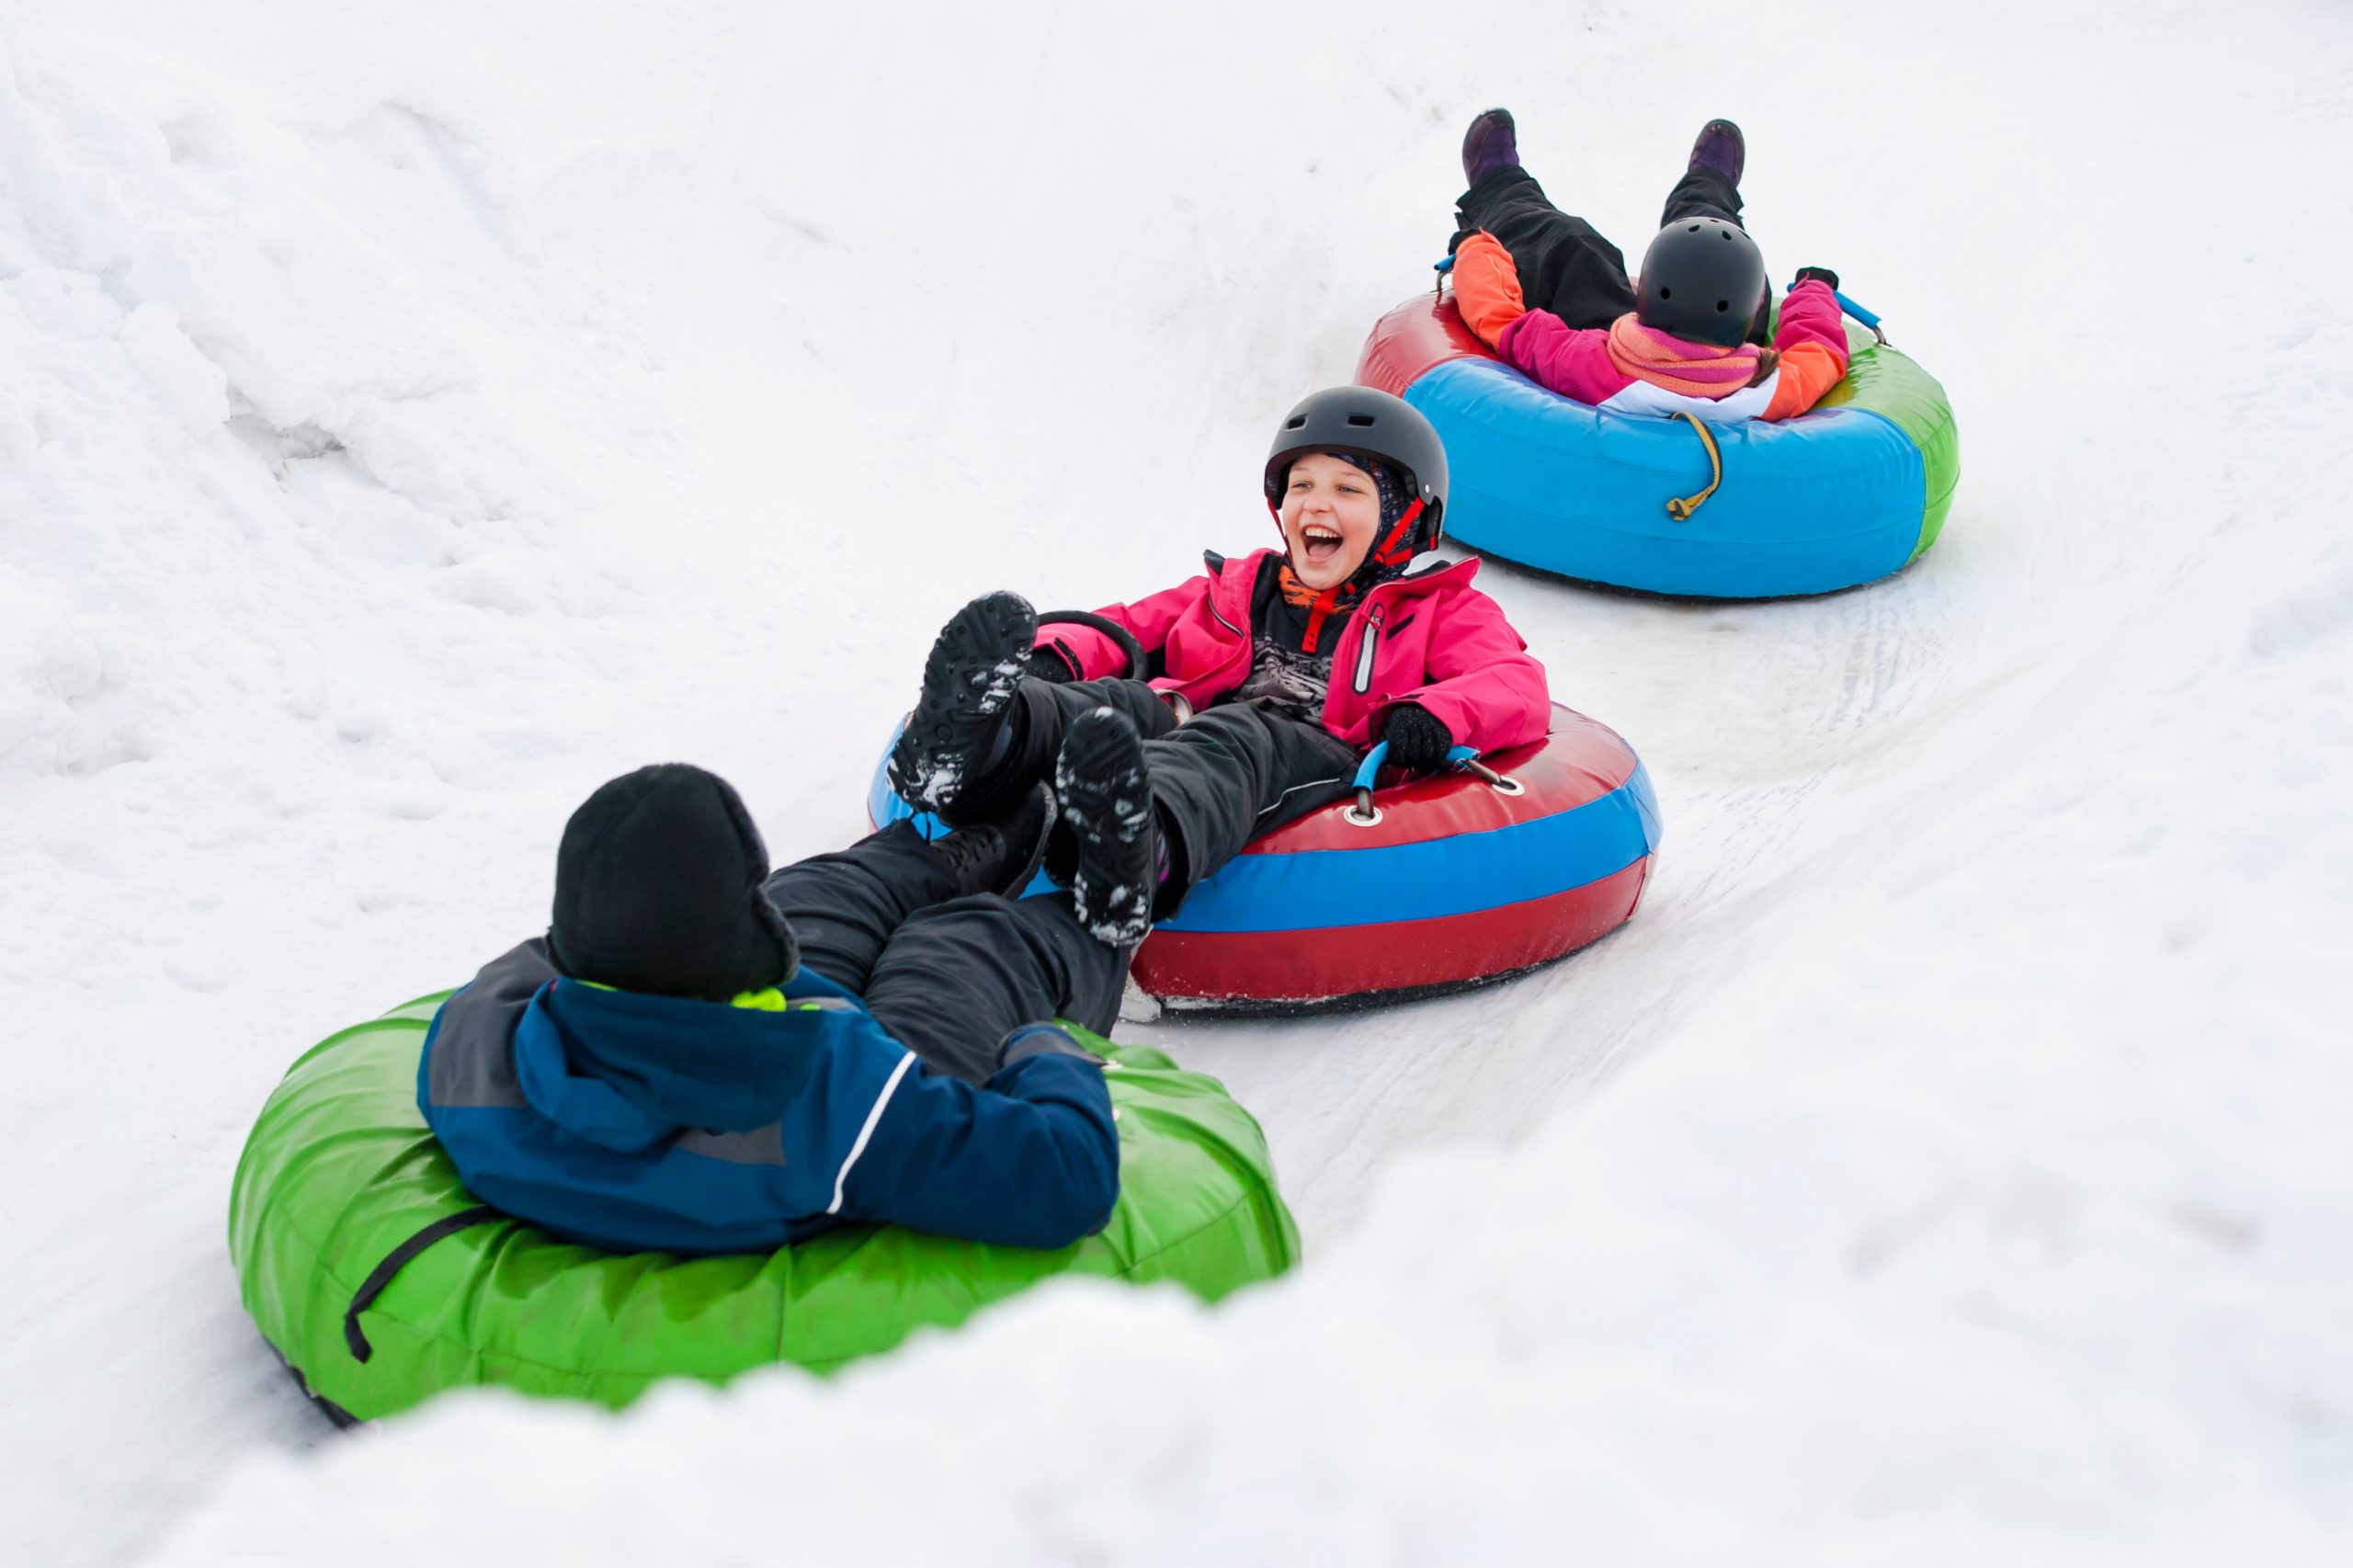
{"x": 1452, "y": 880}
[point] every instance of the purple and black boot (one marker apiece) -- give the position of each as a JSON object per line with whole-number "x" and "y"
{"x": 1721, "y": 147}
{"x": 1490, "y": 143}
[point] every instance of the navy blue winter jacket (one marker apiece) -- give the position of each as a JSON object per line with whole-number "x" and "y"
{"x": 634, "y": 1123}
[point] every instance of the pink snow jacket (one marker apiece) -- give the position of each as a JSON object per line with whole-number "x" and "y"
{"x": 1427, "y": 638}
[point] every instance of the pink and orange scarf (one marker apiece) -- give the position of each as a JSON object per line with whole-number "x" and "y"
{"x": 1695, "y": 369}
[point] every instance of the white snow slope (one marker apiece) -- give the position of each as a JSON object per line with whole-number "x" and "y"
{"x": 412, "y": 416}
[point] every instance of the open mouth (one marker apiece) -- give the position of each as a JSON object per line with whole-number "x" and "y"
{"x": 1318, "y": 544}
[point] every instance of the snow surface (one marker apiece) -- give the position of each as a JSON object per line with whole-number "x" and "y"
{"x": 412, "y": 416}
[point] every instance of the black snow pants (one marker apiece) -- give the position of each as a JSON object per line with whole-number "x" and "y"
{"x": 1217, "y": 780}
{"x": 1564, "y": 265}
{"x": 949, "y": 975}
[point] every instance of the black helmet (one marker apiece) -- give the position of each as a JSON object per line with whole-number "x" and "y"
{"x": 1374, "y": 424}
{"x": 1702, "y": 279}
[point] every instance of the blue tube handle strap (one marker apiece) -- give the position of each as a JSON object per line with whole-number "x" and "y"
{"x": 1871, "y": 322}
{"x": 1375, "y": 759}
{"x": 1854, "y": 310}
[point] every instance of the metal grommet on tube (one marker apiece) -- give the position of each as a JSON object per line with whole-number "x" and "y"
{"x": 1468, "y": 760}
{"x": 1502, "y": 783}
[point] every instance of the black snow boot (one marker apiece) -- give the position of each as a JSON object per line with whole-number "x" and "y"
{"x": 1106, "y": 800}
{"x": 1001, "y": 857}
{"x": 972, "y": 672}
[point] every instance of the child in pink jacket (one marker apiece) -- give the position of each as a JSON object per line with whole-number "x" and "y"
{"x": 1554, "y": 299}
{"x": 1266, "y": 679}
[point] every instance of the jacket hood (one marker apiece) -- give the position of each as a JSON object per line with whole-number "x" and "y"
{"x": 627, "y": 1070}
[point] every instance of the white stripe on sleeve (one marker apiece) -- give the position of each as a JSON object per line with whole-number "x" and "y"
{"x": 841, "y": 1177}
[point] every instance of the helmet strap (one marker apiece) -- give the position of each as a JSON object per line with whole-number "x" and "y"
{"x": 1394, "y": 550}
{"x": 1398, "y": 547}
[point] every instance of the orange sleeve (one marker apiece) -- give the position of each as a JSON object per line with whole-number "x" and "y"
{"x": 1486, "y": 287}
{"x": 1808, "y": 370}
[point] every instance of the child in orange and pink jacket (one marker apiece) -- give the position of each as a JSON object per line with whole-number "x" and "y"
{"x": 1550, "y": 296}
{"x": 1263, "y": 680}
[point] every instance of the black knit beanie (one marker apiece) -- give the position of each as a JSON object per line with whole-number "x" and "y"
{"x": 658, "y": 888}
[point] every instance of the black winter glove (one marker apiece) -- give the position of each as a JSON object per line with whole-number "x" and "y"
{"x": 1048, "y": 662}
{"x": 1822, "y": 272}
{"x": 1417, "y": 740}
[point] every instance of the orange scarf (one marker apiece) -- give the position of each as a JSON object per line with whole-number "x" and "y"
{"x": 1318, "y": 604}
{"x": 1294, "y": 591}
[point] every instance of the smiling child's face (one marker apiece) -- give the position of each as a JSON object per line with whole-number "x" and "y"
{"x": 1331, "y": 510}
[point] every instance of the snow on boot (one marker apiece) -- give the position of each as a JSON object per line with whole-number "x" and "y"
{"x": 1000, "y": 856}
{"x": 970, "y": 674}
{"x": 1106, "y": 802}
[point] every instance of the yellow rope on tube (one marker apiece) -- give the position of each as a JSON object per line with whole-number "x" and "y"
{"x": 1680, "y": 507}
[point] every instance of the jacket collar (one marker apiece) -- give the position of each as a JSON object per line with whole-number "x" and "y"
{"x": 1240, "y": 577}
{"x": 627, "y": 1070}
{"x": 1433, "y": 571}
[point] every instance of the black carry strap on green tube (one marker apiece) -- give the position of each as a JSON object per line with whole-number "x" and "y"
{"x": 396, "y": 1260}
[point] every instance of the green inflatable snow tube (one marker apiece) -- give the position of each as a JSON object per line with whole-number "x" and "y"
{"x": 340, "y": 1174}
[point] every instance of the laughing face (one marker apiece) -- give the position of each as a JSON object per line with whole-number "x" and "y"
{"x": 1331, "y": 511}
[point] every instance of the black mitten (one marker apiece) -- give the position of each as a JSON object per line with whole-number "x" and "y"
{"x": 1048, "y": 662}
{"x": 1824, "y": 273}
{"x": 1418, "y": 741}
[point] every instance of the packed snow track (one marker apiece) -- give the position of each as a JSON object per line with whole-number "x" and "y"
{"x": 413, "y": 416}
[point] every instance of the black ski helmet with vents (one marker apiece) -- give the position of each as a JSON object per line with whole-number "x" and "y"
{"x": 1702, "y": 280}
{"x": 1374, "y": 424}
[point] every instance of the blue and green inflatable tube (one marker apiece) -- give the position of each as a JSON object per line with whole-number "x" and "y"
{"x": 1845, "y": 495}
